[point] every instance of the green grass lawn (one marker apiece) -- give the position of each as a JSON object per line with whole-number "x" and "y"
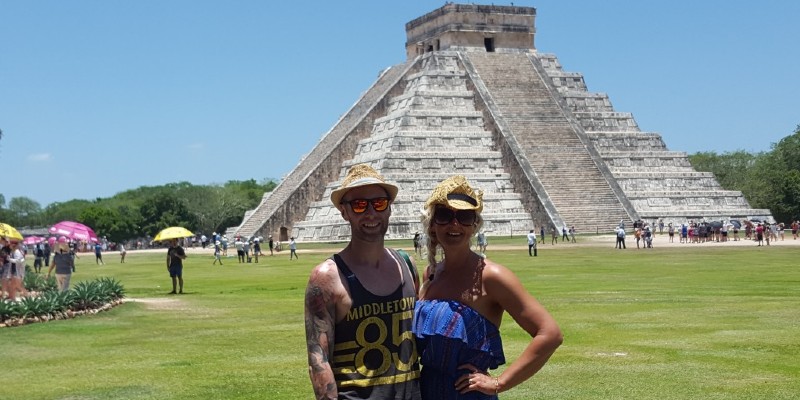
{"x": 693, "y": 322}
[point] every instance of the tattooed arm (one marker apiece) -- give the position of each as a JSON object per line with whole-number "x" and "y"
{"x": 322, "y": 294}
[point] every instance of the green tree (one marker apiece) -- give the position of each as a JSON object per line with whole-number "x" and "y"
{"x": 25, "y": 210}
{"x": 164, "y": 210}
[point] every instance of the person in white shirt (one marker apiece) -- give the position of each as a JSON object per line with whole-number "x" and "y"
{"x": 532, "y": 243}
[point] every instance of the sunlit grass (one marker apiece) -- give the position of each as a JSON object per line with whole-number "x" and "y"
{"x": 678, "y": 323}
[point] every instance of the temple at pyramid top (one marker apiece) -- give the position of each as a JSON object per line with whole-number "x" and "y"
{"x": 476, "y": 98}
{"x": 471, "y": 26}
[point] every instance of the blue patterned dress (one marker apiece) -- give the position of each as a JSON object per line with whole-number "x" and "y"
{"x": 450, "y": 334}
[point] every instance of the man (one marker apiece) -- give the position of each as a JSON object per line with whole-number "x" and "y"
{"x": 175, "y": 257}
{"x": 620, "y": 238}
{"x": 531, "y": 243}
{"x": 359, "y": 305}
{"x": 271, "y": 245}
{"x": 239, "y": 244}
{"x": 292, "y": 249}
{"x": 98, "y": 254}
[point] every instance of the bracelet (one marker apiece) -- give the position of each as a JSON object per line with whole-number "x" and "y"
{"x": 496, "y": 386}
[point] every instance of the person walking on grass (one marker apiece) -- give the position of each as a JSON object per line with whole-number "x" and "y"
{"x": 217, "y": 253}
{"x": 343, "y": 290}
{"x": 531, "y": 243}
{"x": 98, "y": 254}
{"x": 175, "y": 257}
{"x": 122, "y": 253}
{"x": 293, "y": 249}
{"x": 256, "y": 249}
{"x": 64, "y": 264}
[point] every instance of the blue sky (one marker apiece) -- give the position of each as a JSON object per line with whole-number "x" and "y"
{"x": 97, "y": 97}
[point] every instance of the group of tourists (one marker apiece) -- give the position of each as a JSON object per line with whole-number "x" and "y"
{"x": 761, "y": 232}
{"x": 13, "y": 258}
{"x": 370, "y": 323}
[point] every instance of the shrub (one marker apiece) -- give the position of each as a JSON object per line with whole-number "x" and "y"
{"x": 85, "y": 295}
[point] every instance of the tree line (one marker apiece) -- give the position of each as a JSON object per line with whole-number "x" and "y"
{"x": 142, "y": 212}
{"x": 769, "y": 179}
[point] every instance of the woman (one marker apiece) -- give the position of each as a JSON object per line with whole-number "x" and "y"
{"x": 63, "y": 263}
{"x": 462, "y": 300}
{"x": 16, "y": 272}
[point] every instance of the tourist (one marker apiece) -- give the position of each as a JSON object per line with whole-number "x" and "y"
{"x": 554, "y": 236}
{"x": 47, "y": 251}
{"x": 637, "y": 233}
{"x": 16, "y": 272}
{"x": 5, "y": 269}
{"x": 416, "y": 243}
{"x": 293, "y": 249}
{"x": 620, "y": 234}
{"x": 64, "y": 265}
{"x": 572, "y": 234}
{"x": 564, "y": 237}
{"x": 246, "y": 249}
{"x": 462, "y": 301}
{"x": 98, "y": 254}
{"x": 271, "y": 245}
{"x": 256, "y": 249}
{"x": 760, "y": 234}
{"x": 541, "y": 233}
{"x": 482, "y": 242}
{"x": 795, "y": 227}
{"x": 38, "y": 251}
{"x": 122, "y": 253}
{"x": 175, "y": 257}
{"x": 671, "y": 232}
{"x": 340, "y": 362}
{"x": 239, "y": 244}
{"x": 531, "y": 243}
{"x": 217, "y": 253}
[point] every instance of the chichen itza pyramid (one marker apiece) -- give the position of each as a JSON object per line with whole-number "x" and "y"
{"x": 475, "y": 98}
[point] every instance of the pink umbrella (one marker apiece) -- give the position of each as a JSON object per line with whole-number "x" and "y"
{"x": 74, "y": 230}
{"x": 33, "y": 240}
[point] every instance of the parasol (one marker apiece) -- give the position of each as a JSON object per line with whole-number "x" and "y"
{"x": 173, "y": 232}
{"x": 74, "y": 230}
{"x": 9, "y": 232}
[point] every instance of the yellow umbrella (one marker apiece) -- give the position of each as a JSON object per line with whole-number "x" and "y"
{"x": 9, "y": 232}
{"x": 173, "y": 232}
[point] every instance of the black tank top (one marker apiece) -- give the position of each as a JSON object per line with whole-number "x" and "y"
{"x": 375, "y": 355}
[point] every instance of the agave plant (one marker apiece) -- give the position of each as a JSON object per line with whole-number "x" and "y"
{"x": 8, "y": 310}
{"x": 112, "y": 287}
{"x": 86, "y": 295}
{"x": 56, "y": 301}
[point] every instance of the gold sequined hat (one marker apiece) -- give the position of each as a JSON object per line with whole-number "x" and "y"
{"x": 456, "y": 193}
{"x": 361, "y": 175}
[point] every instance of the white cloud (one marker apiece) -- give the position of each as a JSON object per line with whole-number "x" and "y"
{"x": 197, "y": 146}
{"x": 40, "y": 157}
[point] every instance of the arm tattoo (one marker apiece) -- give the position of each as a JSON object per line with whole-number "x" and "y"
{"x": 319, "y": 319}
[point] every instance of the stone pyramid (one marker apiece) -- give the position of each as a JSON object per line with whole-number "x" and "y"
{"x": 475, "y": 98}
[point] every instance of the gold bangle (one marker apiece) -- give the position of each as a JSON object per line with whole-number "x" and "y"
{"x": 496, "y": 386}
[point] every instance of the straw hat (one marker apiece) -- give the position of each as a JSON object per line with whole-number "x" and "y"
{"x": 361, "y": 175}
{"x": 456, "y": 193}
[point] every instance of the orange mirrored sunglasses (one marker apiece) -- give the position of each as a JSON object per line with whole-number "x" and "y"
{"x": 360, "y": 205}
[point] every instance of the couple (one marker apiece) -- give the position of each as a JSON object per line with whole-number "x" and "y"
{"x": 365, "y": 331}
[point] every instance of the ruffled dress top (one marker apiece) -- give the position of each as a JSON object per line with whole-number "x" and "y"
{"x": 449, "y": 334}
